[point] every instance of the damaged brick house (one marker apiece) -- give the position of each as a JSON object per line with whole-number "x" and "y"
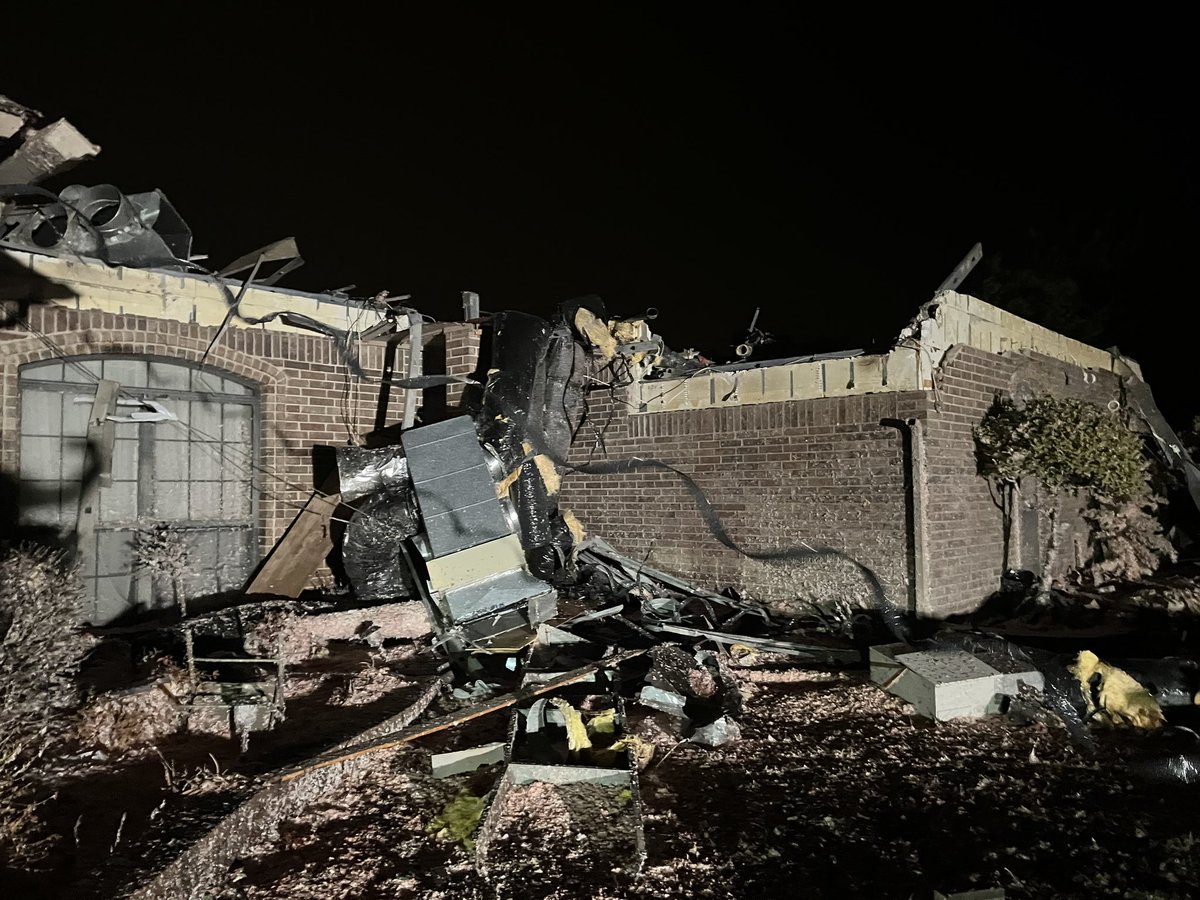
{"x": 214, "y": 436}
{"x": 205, "y": 399}
{"x": 871, "y": 454}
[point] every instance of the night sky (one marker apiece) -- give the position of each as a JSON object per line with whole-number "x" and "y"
{"x": 701, "y": 160}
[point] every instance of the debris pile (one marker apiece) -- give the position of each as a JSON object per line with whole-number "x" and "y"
{"x": 496, "y": 703}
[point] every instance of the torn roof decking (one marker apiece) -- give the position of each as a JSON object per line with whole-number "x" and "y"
{"x": 177, "y": 296}
{"x": 950, "y": 319}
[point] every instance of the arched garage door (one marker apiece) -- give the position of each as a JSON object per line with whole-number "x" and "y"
{"x": 194, "y": 473}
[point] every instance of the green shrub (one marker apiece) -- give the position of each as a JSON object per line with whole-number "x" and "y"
{"x": 1069, "y": 445}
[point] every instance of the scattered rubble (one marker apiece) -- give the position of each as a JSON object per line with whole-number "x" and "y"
{"x": 656, "y": 739}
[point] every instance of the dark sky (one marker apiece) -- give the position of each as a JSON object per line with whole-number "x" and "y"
{"x": 702, "y": 160}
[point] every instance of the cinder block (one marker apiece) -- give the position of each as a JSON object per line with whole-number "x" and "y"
{"x": 777, "y": 383}
{"x": 839, "y": 377}
{"x": 903, "y": 372}
{"x": 868, "y": 373}
{"x": 807, "y": 380}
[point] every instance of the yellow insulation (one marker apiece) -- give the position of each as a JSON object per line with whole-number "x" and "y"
{"x": 1123, "y": 702}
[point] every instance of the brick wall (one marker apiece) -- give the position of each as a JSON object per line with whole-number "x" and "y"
{"x": 462, "y": 352}
{"x": 821, "y": 471}
{"x": 964, "y": 527}
{"x": 306, "y": 397}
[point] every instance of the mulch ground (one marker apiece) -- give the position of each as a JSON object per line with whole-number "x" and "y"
{"x": 835, "y": 790}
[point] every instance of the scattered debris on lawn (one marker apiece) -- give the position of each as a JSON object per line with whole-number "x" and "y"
{"x": 652, "y": 728}
{"x": 658, "y": 739}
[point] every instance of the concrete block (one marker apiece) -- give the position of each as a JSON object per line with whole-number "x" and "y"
{"x": 728, "y": 387}
{"x": 777, "y": 383}
{"x": 945, "y": 684}
{"x": 807, "y": 381}
{"x": 690, "y": 393}
{"x": 839, "y": 377}
{"x": 868, "y": 374}
{"x": 446, "y": 764}
{"x": 902, "y": 370}
{"x": 948, "y": 684}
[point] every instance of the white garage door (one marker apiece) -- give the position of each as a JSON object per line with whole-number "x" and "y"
{"x": 195, "y": 473}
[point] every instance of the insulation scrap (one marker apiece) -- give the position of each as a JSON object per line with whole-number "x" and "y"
{"x": 594, "y": 329}
{"x": 643, "y": 750}
{"x": 507, "y": 482}
{"x": 545, "y": 467}
{"x": 1113, "y": 696}
{"x": 458, "y": 820}
{"x": 603, "y": 723}
{"x": 626, "y": 332}
{"x": 577, "y": 733}
{"x": 743, "y": 654}
{"x": 549, "y": 473}
{"x": 577, "y": 532}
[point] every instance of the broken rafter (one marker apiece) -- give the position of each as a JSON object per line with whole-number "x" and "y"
{"x": 496, "y": 704}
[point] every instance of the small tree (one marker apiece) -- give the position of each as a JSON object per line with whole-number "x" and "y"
{"x": 1069, "y": 446}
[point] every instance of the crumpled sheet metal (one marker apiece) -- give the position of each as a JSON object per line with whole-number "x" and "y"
{"x": 365, "y": 470}
{"x": 140, "y": 230}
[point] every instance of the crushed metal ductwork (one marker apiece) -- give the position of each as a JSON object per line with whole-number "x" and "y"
{"x": 101, "y": 222}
